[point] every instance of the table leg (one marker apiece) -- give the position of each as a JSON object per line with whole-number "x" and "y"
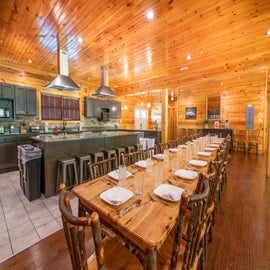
{"x": 151, "y": 260}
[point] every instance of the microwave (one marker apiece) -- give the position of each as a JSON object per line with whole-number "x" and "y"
{"x": 6, "y": 109}
{"x": 4, "y": 113}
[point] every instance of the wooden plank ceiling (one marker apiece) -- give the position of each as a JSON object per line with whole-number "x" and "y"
{"x": 225, "y": 38}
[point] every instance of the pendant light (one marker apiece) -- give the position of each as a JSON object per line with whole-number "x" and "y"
{"x": 125, "y": 106}
{"x": 148, "y": 103}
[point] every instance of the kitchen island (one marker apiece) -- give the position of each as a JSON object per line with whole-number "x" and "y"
{"x": 63, "y": 145}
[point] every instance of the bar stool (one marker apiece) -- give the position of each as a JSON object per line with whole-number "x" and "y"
{"x": 66, "y": 167}
{"x": 98, "y": 156}
{"x": 138, "y": 147}
{"x": 83, "y": 168}
{"x": 119, "y": 151}
{"x": 109, "y": 153}
{"x": 130, "y": 148}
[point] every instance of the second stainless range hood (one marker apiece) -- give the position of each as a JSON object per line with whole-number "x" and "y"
{"x": 104, "y": 90}
{"x": 63, "y": 81}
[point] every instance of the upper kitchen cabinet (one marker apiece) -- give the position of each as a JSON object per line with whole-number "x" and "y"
{"x": 7, "y": 91}
{"x": 92, "y": 107}
{"x": 115, "y": 109}
{"x": 26, "y": 100}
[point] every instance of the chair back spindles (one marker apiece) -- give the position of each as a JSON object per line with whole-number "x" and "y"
{"x": 102, "y": 167}
{"x": 130, "y": 158}
{"x": 75, "y": 229}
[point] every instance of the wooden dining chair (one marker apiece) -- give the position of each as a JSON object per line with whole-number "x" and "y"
{"x": 185, "y": 250}
{"x": 149, "y": 152}
{"x": 131, "y": 158}
{"x": 240, "y": 139}
{"x": 173, "y": 144}
{"x": 103, "y": 167}
{"x": 253, "y": 140}
{"x": 163, "y": 146}
{"x": 109, "y": 253}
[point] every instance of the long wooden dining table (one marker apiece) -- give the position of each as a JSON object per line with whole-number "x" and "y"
{"x": 147, "y": 225}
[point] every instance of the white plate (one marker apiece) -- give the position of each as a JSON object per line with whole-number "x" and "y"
{"x": 159, "y": 156}
{"x": 169, "y": 192}
{"x": 116, "y": 195}
{"x": 142, "y": 163}
{"x": 175, "y": 150}
{"x": 217, "y": 142}
{"x": 210, "y": 149}
{"x": 199, "y": 163}
{"x": 204, "y": 154}
{"x": 115, "y": 174}
{"x": 183, "y": 146}
{"x": 186, "y": 174}
{"x": 214, "y": 145}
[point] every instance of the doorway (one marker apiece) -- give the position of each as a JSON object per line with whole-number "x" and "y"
{"x": 141, "y": 119}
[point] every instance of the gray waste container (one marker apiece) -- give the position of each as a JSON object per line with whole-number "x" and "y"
{"x": 29, "y": 163}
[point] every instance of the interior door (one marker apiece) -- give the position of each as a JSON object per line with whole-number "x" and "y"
{"x": 141, "y": 119}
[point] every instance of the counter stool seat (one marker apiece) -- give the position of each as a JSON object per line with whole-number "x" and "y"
{"x": 83, "y": 161}
{"x": 138, "y": 147}
{"x": 130, "y": 149}
{"x": 66, "y": 172}
{"x": 98, "y": 156}
{"x": 109, "y": 153}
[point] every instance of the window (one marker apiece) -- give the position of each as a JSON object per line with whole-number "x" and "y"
{"x": 59, "y": 108}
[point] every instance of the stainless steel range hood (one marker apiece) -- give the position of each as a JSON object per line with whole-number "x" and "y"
{"x": 63, "y": 81}
{"x": 104, "y": 90}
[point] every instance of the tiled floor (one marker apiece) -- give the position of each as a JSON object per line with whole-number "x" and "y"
{"x": 23, "y": 223}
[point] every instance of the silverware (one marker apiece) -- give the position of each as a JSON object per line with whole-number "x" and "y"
{"x": 108, "y": 181}
{"x": 154, "y": 200}
{"x": 127, "y": 208}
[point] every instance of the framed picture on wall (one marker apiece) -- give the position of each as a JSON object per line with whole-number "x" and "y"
{"x": 216, "y": 124}
{"x": 191, "y": 113}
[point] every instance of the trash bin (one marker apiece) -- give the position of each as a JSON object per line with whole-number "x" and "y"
{"x": 29, "y": 163}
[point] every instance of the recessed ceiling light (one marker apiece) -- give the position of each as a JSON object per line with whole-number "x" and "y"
{"x": 80, "y": 40}
{"x": 201, "y": 51}
{"x": 29, "y": 61}
{"x": 150, "y": 15}
{"x": 120, "y": 60}
{"x": 189, "y": 57}
{"x": 183, "y": 68}
{"x": 268, "y": 33}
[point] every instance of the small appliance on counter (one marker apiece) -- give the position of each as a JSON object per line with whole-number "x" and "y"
{"x": 34, "y": 129}
{"x": 2, "y": 130}
{"x": 11, "y": 128}
{"x": 23, "y": 128}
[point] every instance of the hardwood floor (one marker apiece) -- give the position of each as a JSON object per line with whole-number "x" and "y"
{"x": 241, "y": 235}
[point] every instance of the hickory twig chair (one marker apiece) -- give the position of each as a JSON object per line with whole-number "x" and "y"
{"x": 185, "y": 250}
{"x": 149, "y": 152}
{"x": 109, "y": 252}
{"x": 130, "y": 158}
{"x": 103, "y": 167}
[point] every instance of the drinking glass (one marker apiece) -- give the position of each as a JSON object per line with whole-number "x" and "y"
{"x": 166, "y": 155}
{"x": 122, "y": 173}
{"x": 158, "y": 175}
{"x": 138, "y": 184}
{"x": 149, "y": 165}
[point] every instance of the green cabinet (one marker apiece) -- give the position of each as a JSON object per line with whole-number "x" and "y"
{"x": 7, "y": 90}
{"x": 115, "y": 109}
{"x": 25, "y": 100}
{"x": 92, "y": 107}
